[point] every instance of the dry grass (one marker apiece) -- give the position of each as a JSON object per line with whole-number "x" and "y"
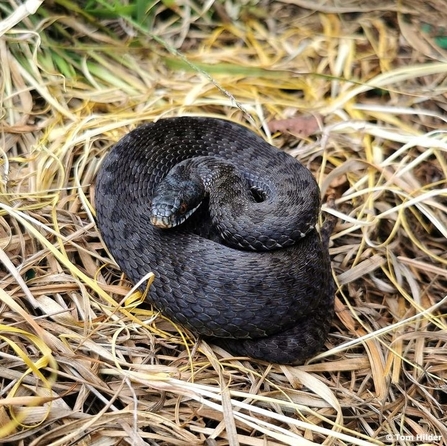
{"x": 84, "y": 361}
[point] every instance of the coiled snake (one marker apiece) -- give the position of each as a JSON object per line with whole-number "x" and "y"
{"x": 247, "y": 269}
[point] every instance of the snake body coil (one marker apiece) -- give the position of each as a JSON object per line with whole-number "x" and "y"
{"x": 259, "y": 283}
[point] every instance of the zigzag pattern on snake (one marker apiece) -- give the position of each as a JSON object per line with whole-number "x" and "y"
{"x": 275, "y": 303}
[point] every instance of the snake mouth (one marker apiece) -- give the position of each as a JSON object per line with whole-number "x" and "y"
{"x": 171, "y": 219}
{"x": 162, "y": 222}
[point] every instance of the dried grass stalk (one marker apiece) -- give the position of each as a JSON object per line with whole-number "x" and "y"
{"x": 83, "y": 360}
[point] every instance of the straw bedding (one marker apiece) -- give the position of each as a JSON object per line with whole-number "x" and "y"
{"x": 357, "y": 93}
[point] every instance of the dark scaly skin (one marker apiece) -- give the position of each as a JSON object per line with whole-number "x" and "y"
{"x": 272, "y": 305}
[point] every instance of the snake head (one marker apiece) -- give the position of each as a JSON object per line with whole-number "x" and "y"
{"x": 176, "y": 198}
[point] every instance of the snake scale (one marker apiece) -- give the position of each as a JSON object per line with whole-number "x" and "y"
{"x": 248, "y": 269}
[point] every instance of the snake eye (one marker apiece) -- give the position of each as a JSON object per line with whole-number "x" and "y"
{"x": 183, "y": 208}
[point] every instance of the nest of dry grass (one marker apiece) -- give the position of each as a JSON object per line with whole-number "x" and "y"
{"x": 357, "y": 93}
